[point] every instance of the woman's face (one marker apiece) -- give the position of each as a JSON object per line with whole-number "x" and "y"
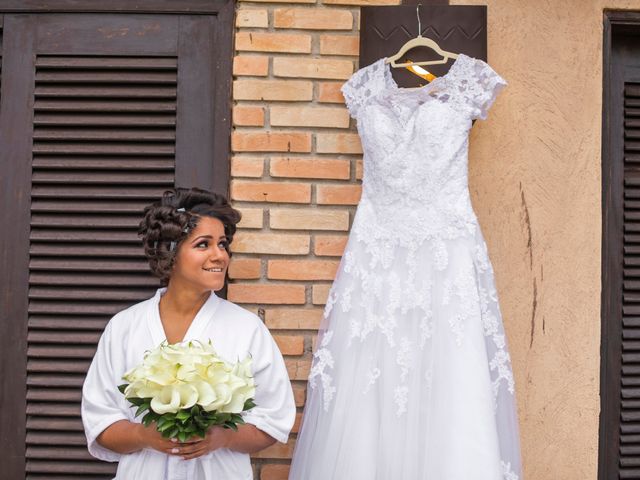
{"x": 202, "y": 260}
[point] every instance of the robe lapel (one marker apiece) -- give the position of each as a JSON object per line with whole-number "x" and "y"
{"x": 203, "y": 317}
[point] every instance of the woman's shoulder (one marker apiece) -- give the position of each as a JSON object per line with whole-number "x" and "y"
{"x": 131, "y": 316}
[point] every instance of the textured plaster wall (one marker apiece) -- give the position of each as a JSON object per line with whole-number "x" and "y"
{"x": 535, "y": 173}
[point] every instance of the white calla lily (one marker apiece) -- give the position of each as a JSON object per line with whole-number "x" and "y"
{"x": 167, "y": 401}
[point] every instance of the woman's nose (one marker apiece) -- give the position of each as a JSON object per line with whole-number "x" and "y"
{"x": 218, "y": 253}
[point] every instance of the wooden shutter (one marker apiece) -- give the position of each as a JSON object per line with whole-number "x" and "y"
{"x": 630, "y": 362}
{"x": 1, "y": 22}
{"x": 620, "y": 370}
{"x": 114, "y": 102}
{"x": 103, "y": 147}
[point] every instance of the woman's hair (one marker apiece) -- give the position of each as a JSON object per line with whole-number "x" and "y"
{"x": 169, "y": 221}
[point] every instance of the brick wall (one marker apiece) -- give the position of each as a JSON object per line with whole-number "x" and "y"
{"x": 296, "y": 170}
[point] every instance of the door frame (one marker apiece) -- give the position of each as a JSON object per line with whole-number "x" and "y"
{"x": 615, "y": 21}
{"x": 16, "y": 201}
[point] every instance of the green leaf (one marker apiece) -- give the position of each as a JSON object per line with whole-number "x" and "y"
{"x": 171, "y": 433}
{"x": 141, "y": 409}
{"x": 201, "y": 422}
{"x": 249, "y": 404}
{"x": 231, "y": 425}
{"x": 168, "y": 425}
{"x": 183, "y": 415}
{"x": 123, "y": 387}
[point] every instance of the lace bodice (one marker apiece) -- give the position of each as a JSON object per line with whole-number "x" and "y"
{"x": 415, "y": 144}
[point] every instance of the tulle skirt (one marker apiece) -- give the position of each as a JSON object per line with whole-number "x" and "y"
{"x": 411, "y": 378}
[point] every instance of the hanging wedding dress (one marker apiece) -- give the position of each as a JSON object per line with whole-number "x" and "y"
{"x": 411, "y": 378}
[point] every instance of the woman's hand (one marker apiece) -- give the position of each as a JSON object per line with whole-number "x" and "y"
{"x": 128, "y": 437}
{"x": 215, "y": 438}
{"x": 150, "y": 437}
{"x": 248, "y": 439}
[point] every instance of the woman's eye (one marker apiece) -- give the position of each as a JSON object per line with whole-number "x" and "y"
{"x": 203, "y": 244}
{"x": 223, "y": 244}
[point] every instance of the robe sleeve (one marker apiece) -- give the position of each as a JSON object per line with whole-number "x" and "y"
{"x": 101, "y": 399}
{"x": 275, "y": 409}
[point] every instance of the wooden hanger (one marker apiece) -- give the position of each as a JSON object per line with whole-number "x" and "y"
{"x": 420, "y": 41}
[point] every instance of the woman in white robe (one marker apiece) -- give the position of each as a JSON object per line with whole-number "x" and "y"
{"x": 186, "y": 238}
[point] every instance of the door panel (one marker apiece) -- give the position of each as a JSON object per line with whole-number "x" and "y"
{"x": 98, "y": 116}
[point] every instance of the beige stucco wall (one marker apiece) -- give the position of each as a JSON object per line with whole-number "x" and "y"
{"x": 535, "y": 179}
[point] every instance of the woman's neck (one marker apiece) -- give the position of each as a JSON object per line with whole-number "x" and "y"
{"x": 183, "y": 301}
{"x": 178, "y": 307}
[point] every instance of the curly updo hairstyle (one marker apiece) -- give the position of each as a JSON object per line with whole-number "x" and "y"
{"x": 169, "y": 221}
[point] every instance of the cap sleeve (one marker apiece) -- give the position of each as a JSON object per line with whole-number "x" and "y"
{"x": 480, "y": 86}
{"x": 363, "y": 85}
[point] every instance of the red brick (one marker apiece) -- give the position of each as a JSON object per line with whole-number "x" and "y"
{"x": 274, "y": 472}
{"x": 312, "y": 68}
{"x": 330, "y": 245}
{"x": 299, "y": 394}
{"x": 293, "y": 318}
{"x": 273, "y": 42}
{"x": 251, "y": 218}
{"x": 251, "y": 65}
{"x": 270, "y": 192}
{"x": 302, "y": 269}
{"x": 361, "y": 2}
{"x": 242, "y": 166}
{"x": 273, "y": 90}
{"x": 273, "y": 243}
{"x": 244, "y": 268}
{"x": 290, "y": 344}
{"x": 294, "y": 116}
{"x": 252, "y": 18}
{"x": 338, "y": 194}
{"x": 248, "y": 116}
{"x": 329, "y": 92}
{"x": 298, "y": 369}
{"x": 309, "y": 219}
{"x": 280, "y": 1}
{"x": 313, "y": 18}
{"x": 266, "y": 293}
{"x": 270, "y": 142}
{"x": 339, "y": 45}
{"x": 297, "y": 423}
{"x": 320, "y": 293}
{"x": 338, "y": 143}
{"x": 310, "y": 167}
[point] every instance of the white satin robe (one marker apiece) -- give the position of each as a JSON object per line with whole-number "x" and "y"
{"x": 235, "y": 333}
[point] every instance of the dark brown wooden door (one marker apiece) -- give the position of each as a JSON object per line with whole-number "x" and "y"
{"x": 456, "y": 28}
{"x": 620, "y": 373}
{"x": 99, "y": 114}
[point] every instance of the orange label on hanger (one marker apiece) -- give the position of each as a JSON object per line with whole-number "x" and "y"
{"x": 419, "y": 71}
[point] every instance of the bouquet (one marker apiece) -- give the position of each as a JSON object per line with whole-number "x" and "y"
{"x": 185, "y": 388}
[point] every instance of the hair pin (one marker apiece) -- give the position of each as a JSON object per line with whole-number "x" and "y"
{"x": 172, "y": 245}
{"x": 180, "y": 209}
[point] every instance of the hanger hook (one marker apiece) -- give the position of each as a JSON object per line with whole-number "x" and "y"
{"x": 418, "y": 15}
